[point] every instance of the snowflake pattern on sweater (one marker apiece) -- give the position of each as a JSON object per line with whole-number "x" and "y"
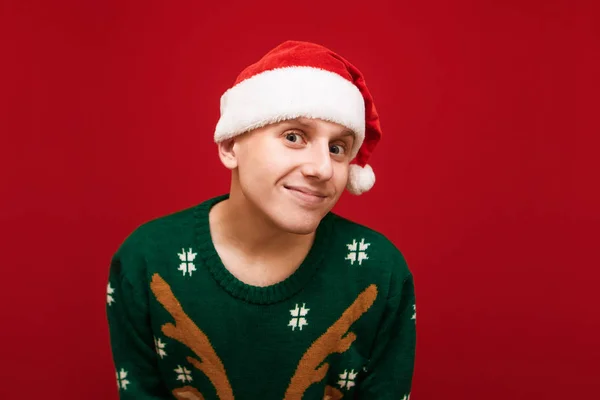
{"x": 358, "y": 251}
{"x": 109, "y": 294}
{"x": 299, "y": 317}
{"x": 122, "y": 381}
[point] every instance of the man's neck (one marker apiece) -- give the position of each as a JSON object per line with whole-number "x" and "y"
{"x": 236, "y": 224}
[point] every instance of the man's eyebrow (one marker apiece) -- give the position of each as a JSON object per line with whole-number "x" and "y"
{"x": 308, "y": 124}
{"x": 311, "y": 124}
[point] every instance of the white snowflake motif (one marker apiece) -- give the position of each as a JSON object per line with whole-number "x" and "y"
{"x": 183, "y": 374}
{"x": 160, "y": 347}
{"x": 347, "y": 379}
{"x": 187, "y": 265}
{"x": 357, "y": 251}
{"x": 415, "y": 313}
{"x": 109, "y": 292}
{"x": 122, "y": 382}
{"x": 298, "y": 315}
{"x": 406, "y": 397}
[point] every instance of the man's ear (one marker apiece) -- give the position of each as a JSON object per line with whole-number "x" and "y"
{"x": 227, "y": 153}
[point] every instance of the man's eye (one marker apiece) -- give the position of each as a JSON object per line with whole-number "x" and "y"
{"x": 337, "y": 149}
{"x": 291, "y": 137}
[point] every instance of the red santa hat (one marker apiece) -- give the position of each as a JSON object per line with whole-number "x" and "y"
{"x": 301, "y": 79}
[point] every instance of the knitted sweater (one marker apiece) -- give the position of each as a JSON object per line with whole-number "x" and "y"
{"x": 182, "y": 326}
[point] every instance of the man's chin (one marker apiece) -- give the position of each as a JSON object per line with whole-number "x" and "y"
{"x": 298, "y": 222}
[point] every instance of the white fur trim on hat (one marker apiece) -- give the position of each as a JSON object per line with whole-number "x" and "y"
{"x": 360, "y": 179}
{"x": 286, "y": 93}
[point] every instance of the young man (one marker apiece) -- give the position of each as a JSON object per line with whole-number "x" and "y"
{"x": 264, "y": 293}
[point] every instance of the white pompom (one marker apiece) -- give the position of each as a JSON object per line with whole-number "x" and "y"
{"x": 360, "y": 179}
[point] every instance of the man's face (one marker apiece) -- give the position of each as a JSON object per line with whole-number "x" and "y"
{"x": 293, "y": 172}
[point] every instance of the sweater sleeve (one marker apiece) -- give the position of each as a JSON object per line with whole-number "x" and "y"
{"x": 390, "y": 370}
{"x": 131, "y": 338}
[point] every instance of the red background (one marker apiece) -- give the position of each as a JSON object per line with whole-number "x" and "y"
{"x": 487, "y": 179}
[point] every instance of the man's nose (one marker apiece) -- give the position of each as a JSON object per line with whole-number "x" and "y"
{"x": 318, "y": 162}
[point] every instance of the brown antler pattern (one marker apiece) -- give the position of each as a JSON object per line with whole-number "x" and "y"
{"x": 187, "y": 393}
{"x": 336, "y": 339}
{"x": 332, "y": 393}
{"x": 185, "y": 331}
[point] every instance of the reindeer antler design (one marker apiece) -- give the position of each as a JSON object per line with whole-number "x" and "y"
{"x": 185, "y": 331}
{"x": 187, "y": 393}
{"x": 332, "y": 393}
{"x": 336, "y": 339}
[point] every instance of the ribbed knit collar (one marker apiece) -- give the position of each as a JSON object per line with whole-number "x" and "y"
{"x": 256, "y": 294}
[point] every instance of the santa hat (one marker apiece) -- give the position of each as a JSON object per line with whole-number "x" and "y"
{"x": 301, "y": 79}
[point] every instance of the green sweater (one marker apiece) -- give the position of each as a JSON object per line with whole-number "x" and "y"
{"x": 182, "y": 326}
